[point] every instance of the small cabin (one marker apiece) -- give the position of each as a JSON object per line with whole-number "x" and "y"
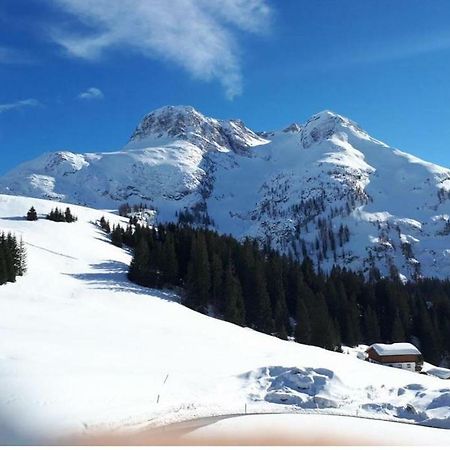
{"x": 402, "y": 355}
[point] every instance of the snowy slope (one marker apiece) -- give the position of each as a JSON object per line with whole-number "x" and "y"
{"x": 325, "y": 188}
{"x": 81, "y": 349}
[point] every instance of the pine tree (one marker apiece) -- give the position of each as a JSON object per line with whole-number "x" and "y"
{"x": 217, "y": 275}
{"x": 303, "y": 325}
{"x": 276, "y": 290}
{"x": 397, "y": 333}
{"x": 3, "y": 268}
{"x": 232, "y": 298}
{"x": 323, "y": 332}
{"x": 117, "y": 236}
{"x": 139, "y": 264}
{"x": 169, "y": 263}
{"x": 12, "y": 258}
{"x": 68, "y": 217}
{"x": 426, "y": 333}
{"x": 263, "y": 320}
{"x": 32, "y": 215}
{"x": 198, "y": 276}
{"x": 346, "y": 317}
{"x": 15, "y": 255}
{"x": 105, "y": 225}
{"x": 21, "y": 258}
{"x": 371, "y": 328}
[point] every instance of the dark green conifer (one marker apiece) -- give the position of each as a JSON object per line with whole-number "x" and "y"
{"x": 117, "y": 236}
{"x": 68, "y": 217}
{"x": 232, "y": 297}
{"x": 371, "y": 328}
{"x": 139, "y": 269}
{"x": 32, "y": 215}
{"x": 198, "y": 276}
{"x": 169, "y": 262}
{"x": 303, "y": 323}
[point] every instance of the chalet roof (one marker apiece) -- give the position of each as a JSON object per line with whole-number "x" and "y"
{"x": 399, "y": 348}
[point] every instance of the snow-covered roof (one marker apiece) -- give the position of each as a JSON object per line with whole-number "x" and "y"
{"x": 399, "y": 348}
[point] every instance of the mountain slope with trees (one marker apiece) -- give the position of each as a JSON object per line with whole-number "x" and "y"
{"x": 325, "y": 190}
{"x": 83, "y": 349}
{"x": 275, "y": 294}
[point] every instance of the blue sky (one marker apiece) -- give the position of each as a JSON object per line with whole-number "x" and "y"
{"x": 79, "y": 74}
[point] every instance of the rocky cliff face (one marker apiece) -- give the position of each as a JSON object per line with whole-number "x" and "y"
{"x": 187, "y": 124}
{"x": 325, "y": 189}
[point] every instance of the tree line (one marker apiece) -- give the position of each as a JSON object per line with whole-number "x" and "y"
{"x": 274, "y": 293}
{"x": 12, "y": 258}
{"x": 55, "y": 215}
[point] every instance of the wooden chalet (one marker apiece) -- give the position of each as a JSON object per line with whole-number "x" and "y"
{"x": 402, "y": 355}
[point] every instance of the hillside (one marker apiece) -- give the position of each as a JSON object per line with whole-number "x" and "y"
{"x": 325, "y": 189}
{"x": 83, "y": 350}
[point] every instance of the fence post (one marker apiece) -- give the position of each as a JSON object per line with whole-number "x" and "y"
{"x": 164, "y": 382}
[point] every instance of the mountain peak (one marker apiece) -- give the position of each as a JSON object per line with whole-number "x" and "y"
{"x": 185, "y": 111}
{"x": 325, "y": 124}
{"x": 173, "y": 121}
{"x": 326, "y": 113}
{"x": 330, "y": 116}
{"x": 293, "y": 128}
{"x": 186, "y": 123}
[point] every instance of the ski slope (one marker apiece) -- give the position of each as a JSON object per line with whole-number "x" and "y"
{"x": 82, "y": 350}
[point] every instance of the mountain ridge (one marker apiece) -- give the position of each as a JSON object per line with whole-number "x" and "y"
{"x": 325, "y": 189}
{"x": 186, "y": 123}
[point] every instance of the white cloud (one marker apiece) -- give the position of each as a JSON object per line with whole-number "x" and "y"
{"x": 198, "y": 35}
{"x": 30, "y": 102}
{"x": 92, "y": 93}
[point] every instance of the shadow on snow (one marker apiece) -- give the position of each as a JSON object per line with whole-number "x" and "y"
{"x": 112, "y": 276}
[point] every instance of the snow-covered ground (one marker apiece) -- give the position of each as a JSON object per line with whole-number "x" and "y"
{"x": 83, "y": 350}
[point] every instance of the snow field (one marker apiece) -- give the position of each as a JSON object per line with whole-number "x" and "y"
{"x": 83, "y": 350}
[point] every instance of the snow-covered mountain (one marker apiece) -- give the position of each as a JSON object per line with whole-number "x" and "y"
{"x": 326, "y": 188}
{"x": 83, "y": 350}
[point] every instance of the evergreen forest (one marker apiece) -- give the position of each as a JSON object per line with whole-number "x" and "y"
{"x": 275, "y": 294}
{"x": 12, "y": 258}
